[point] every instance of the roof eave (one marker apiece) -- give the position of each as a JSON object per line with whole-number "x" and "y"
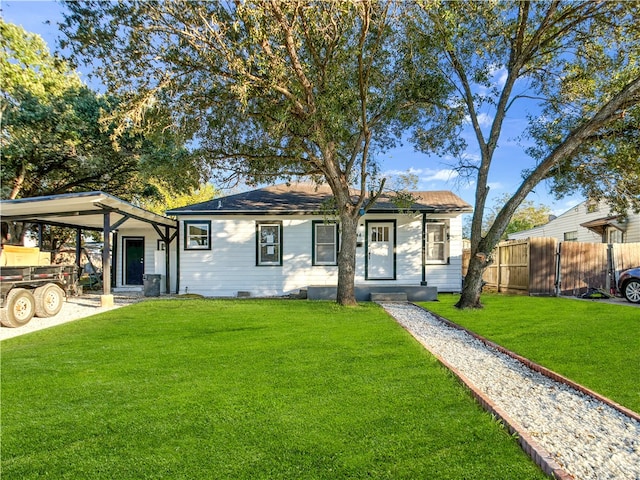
{"x": 311, "y": 212}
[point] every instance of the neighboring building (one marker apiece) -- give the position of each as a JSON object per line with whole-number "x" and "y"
{"x": 588, "y": 222}
{"x": 279, "y": 239}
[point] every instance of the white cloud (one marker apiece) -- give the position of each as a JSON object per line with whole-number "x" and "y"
{"x": 426, "y": 174}
{"x": 500, "y": 76}
{"x": 485, "y": 120}
{"x": 443, "y": 175}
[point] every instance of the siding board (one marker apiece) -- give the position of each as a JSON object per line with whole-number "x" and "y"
{"x": 230, "y": 265}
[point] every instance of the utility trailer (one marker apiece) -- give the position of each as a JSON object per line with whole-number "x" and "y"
{"x": 32, "y": 290}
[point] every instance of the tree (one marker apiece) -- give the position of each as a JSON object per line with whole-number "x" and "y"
{"x": 527, "y": 216}
{"x": 167, "y": 200}
{"x": 54, "y": 137}
{"x": 574, "y": 65}
{"x": 268, "y": 89}
{"x": 28, "y": 67}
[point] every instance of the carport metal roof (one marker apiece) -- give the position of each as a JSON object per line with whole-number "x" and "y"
{"x": 84, "y": 210}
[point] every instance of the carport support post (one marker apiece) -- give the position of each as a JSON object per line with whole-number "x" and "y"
{"x": 106, "y": 300}
{"x": 424, "y": 250}
{"x": 167, "y": 259}
{"x": 78, "y": 247}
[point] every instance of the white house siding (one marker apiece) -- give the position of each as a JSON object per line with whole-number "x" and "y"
{"x": 570, "y": 221}
{"x": 151, "y": 266}
{"x": 448, "y": 278}
{"x": 230, "y": 266}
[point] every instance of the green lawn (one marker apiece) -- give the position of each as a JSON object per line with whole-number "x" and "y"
{"x": 594, "y": 344}
{"x": 255, "y": 389}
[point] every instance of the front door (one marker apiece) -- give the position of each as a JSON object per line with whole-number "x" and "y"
{"x": 133, "y": 260}
{"x": 380, "y": 251}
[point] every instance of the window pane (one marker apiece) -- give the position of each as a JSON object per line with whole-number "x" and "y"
{"x": 269, "y": 234}
{"x": 435, "y": 251}
{"x": 198, "y": 230}
{"x": 325, "y": 254}
{"x": 380, "y": 234}
{"x": 325, "y": 234}
{"x": 435, "y": 233}
{"x": 269, "y": 254}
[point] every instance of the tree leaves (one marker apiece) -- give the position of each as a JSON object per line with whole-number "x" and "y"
{"x": 56, "y": 139}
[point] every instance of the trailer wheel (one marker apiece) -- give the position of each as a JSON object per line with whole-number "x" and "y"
{"x": 49, "y": 300}
{"x": 20, "y": 308}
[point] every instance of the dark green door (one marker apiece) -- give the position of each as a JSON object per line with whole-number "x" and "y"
{"x": 133, "y": 260}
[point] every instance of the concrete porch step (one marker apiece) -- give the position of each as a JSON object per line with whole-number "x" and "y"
{"x": 389, "y": 297}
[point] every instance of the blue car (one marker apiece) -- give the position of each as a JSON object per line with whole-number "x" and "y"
{"x": 629, "y": 284}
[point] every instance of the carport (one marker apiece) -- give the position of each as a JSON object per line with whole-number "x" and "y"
{"x": 94, "y": 211}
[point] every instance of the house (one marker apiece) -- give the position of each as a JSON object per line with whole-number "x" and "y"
{"x": 588, "y": 221}
{"x": 282, "y": 239}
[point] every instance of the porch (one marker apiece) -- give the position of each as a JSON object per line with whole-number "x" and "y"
{"x": 414, "y": 293}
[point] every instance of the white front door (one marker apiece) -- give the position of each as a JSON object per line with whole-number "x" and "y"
{"x": 380, "y": 250}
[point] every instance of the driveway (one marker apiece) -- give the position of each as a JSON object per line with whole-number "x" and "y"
{"x": 612, "y": 301}
{"x": 74, "y": 308}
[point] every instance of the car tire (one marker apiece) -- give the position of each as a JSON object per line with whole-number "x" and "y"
{"x": 632, "y": 291}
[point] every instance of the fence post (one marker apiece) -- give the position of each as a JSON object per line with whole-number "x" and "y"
{"x": 610, "y": 269}
{"x": 558, "y": 269}
{"x": 498, "y": 266}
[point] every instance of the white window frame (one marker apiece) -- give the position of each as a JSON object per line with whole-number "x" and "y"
{"x": 444, "y": 226}
{"x": 197, "y": 241}
{"x": 316, "y": 244}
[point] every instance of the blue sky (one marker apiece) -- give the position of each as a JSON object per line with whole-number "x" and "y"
{"x": 434, "y": 173}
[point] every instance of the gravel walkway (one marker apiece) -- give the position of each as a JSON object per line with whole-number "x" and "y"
{"x": 588, "y": 439}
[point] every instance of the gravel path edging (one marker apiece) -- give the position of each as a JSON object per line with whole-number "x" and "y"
{"x": 566, "y": 431}
{"x": 536, "y": 452}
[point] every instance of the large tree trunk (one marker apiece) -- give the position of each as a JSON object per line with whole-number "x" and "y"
{"x": 472, "y": 289}
{"x": 347, "y": 259}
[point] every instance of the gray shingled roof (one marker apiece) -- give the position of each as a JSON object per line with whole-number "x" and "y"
{"x": 309, "y": 198}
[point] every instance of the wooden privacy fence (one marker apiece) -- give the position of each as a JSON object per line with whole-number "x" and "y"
{"x": 544, "y": 266}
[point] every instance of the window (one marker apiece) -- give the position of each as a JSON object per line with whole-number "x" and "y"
{"x": 269, "y": 243}
{"x": 614, "y": 235}
{"x": 592, "y": 206}
{"x": 571, "y": 236}
{"x": 436, "y": 242}
{"x": 325, "y": 243}
{"x": 197, "y": 235}
{"x": 379, "y": 234}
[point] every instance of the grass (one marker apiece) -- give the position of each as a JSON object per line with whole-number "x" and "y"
{"x": 594, "y": 344}
{"x": 254, "y": 389}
